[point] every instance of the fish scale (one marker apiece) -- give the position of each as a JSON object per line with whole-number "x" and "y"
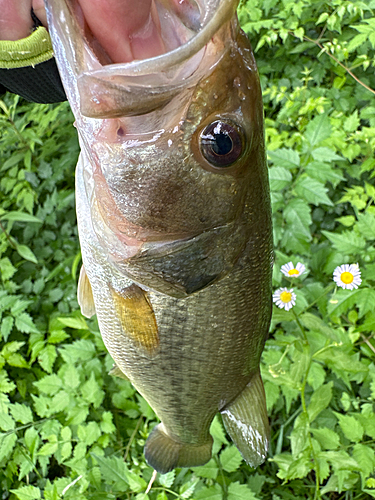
{"x": 175, "y": 231}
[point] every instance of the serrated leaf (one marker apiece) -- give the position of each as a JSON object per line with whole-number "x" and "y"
{"x": 114, "y": 470}
{"x": 7, "y": 443}
{"x": 325, "y": 154}
{"x": 342, "y": 301}
{"x": 351, "y": 427}
{"x": 50, "y": 384}
{"x": 319, "y": 400}
{"x": 327, "y": 438}
{"x": 286, "y": 158}
{"x": 279, "y": 178}
{"x": 237, "y": 491}
{"x": 6, "y": 327}
{"x": 208, "y": 471}
{"x": 27, "y": 493}
{"x": 347, "y": 242}
{"x": 365, "y": 457}
{"x": 187, "y": 489}
{"x": 21, "y": 413}
{"x": 318, "y": 130}
{"x": 230, "y": 459}
{"x": 298, "y": 216}
{"x": 167, "y": 479}
{"x": 25, "y": 324}
{"x": 47, "y": 357}
{"x": 136, "y": 483}
{"x": 312, "y": 191}
{"x": 212, "y": 493}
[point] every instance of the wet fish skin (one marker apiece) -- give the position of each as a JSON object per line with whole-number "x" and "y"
{"x": 178, "y": 252}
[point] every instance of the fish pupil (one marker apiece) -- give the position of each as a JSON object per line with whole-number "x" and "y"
{"x": 221, "y": 143}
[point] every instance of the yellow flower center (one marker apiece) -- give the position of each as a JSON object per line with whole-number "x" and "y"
{"x": 285, "y": 297}
{"x": 292, "y": 272}
{"x": 347, "y": 278}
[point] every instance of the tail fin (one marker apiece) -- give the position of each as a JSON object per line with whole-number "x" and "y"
{"x": 164, "y": 453}
{"x": 246, "y": 422}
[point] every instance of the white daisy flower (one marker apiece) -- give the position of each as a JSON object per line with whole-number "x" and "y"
{"x": 348, "y": 276}
{"x": 293, "y": 272}
{"x": 284, "y": 298}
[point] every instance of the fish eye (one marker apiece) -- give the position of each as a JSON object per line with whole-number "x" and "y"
{"x": 221, "y": 143}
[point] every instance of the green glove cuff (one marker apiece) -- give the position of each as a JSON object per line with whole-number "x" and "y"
{"x": 28, "y": 68}
{"x": 29, "y": 51}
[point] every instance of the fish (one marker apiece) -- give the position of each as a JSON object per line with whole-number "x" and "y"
{"x": 174, "y": 222}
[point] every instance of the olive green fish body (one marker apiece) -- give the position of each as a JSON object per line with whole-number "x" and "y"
{"x": 175, "y": 228}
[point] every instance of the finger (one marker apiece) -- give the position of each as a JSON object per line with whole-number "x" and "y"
{"x": 126, "y": 29}
{"x": 40, "y": 11}
{"x": 15, "y": 19}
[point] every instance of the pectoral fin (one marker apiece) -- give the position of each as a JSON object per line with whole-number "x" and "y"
{"x": 137, "y": 318}
{"x": 246, "y": 422}
{"x": 84, "y": 295}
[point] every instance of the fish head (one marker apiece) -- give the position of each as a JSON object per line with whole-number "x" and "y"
{"x": 173, "y": 146}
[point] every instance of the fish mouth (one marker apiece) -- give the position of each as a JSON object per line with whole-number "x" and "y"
{"x": 104, "y": 90}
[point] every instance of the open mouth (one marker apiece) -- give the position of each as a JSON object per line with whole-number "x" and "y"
{"x": 120, "y": 32}
{"x": 133, "y": 70}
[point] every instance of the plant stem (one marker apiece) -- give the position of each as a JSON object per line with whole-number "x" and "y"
{"x": 300, "y": 326}
{"x": 132, "y": 437}
{"x": 318, "y": 44}
{"x": 328, "y": 288}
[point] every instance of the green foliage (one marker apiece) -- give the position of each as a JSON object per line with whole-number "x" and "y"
{"x": 66, "y": 426}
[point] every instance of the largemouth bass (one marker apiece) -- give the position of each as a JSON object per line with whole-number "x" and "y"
{"x": 175, "y": 223}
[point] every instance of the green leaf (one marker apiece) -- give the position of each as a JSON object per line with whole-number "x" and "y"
{"x": 286, "y": 158}
{"x": 6, "y": 327}
{"x": 21, "y": 413}
{"x": 230, "y": 459}
{"x": 346, "y": 242}
{"x": 299, "y": 435}
{"x": 365, "y": 457}
{"x": 325, "y": 154}
{"x": 75, "y": 322}
{"x": 114, "y": 470}
{"x": 47, "y": 357}
{"x": 297, "y": 214}
{"x": 279, "y": 178}
{"x": 187, "y": 489}
{"x": 209, "y": 470}
{"x": 237, "y": 491}
{"x": 91, "y": 391}
{"x": 351, "y": 427}
{"x": 319, "y": 400}
{"x": 327, "y": 438}
{"x": 50, "y": 384}
{"x": 312, "y": 191}
{"x": 136, "y": 483}
{"x": 25, "y": 324}
{"x": 20, "y": 217}
{"x": 7, "y": 443}
{"x": 167, "y": 479}
{"x": 26, "y": 253}
{"x": 27, "y": 493}
{"x": 318, "y": 129}
{"x": 212, "y": 493}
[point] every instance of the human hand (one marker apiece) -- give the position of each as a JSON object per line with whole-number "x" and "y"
{"x": 125, "y": 29}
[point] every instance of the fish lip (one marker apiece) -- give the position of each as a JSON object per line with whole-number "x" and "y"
{"x": 224, "y": 11}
